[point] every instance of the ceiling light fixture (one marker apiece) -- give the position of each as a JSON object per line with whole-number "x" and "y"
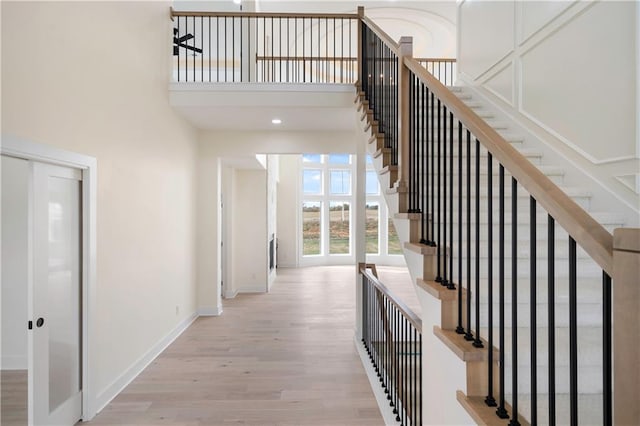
{"x": 276, "y": 121}
{"x": 237, "y": 1}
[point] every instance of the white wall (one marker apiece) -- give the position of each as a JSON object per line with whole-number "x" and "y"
{"x": 565, "y": 70}
{"x": 249, "y": 221}
{"x": 15, "y": 183}
{"x": 288, "y": 205}
{"x": 273, "y": 165}
{"x": 92, "y": 78}
{"x": 216, "y": 145}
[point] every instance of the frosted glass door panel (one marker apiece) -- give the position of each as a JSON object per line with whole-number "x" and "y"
{"x": 57, "y": 306}
{"x": 63, "y": 290}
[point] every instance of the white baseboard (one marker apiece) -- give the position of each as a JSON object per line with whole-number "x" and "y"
{"x": 137, "y": 367}
{"x": 381, "y": 398}
{"x": 253, "y": 288}
{"x": 14, "y": 362}
{"x": 231, "y": 295}
{"x": 210, "y": 311}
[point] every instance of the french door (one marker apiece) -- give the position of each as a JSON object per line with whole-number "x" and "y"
{"x": 55, "y": 373}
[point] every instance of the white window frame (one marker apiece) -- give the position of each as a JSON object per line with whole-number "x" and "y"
{"x": 325, "y": 198}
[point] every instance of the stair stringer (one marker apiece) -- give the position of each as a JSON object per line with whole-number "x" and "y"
{"x": 449, "y": 363}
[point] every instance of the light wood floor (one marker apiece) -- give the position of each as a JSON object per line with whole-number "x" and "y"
{"x": 13, "y": 408}
{"x": 282, "y": 358}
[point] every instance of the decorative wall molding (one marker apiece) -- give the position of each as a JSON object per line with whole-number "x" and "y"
{"x": 498, "y": 72}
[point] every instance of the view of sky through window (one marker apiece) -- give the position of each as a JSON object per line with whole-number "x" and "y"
{"x": 312, "y": 181}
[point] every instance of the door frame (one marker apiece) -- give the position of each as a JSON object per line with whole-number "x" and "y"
{"x": 27, "y": 150}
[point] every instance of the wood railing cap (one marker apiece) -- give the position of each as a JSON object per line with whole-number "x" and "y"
{"x": 406, "y": 311}
{"x": 204, "y": 14}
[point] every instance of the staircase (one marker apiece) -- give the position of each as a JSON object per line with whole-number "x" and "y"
{"x": 422, "y": 260}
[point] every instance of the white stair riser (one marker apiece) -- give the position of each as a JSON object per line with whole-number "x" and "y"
{"x": 589, "y": 379}
{"x": 589, "y": 313}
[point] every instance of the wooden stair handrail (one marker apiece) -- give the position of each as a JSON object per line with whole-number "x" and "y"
{"x": 406, "y": 311}
{"x": 584, "y": 229}
{"x": 201, "y": 14}
{"x": 393, "y": 45}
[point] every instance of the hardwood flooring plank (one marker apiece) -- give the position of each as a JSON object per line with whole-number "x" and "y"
{"x": 282, "y": 358}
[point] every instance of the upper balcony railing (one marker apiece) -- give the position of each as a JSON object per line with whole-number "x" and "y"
{"x": 265, "y": 47}
{"x": 247, "y": 47}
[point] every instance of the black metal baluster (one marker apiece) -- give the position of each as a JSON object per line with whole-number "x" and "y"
{"x": 551, "y": 238}
{"x": 193, "y": 45}
{"x": 438, "y": 241}
{"x": 420, "y": 372}
{"x": 432, "y": 195}
{"x": 424, "y": 189}
{"x": 477, "y": 342}
{"x": 396, "y": 348}
{"x": 490, "y": 400}
{"x": 607, "y": 408}
{"x": 226, "y": 58}
{"x": 414, "y": 365}
{"x": 501, "y": 411}
{"x": 514, "y": 301}
{"x": 178, "y": 48}
{"x": 405, "y": 387}
{"x": 443, "y": 189}
{"x": 460, "y": 328}
{"x": 385, "y": 348}
{"x": 573, "y": 334}
{"x": 533, "y": 314}
{"x": 364, "y": 311}
{"x": 451, "y": 285}
{"x": 469, "y": 335}
{"x": 233, "y": 48}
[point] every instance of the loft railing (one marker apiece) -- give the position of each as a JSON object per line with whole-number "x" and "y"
{"x": 264, "y": 47}
{"x": 379, "y": 78}
{"x": 444, "y": 69}
{"x": 441, "y": 155}
{"x": 392, "y": 336}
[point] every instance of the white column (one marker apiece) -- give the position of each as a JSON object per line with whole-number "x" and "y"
{"x": 359, "y": 219}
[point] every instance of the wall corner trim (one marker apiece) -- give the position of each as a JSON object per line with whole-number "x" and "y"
{"x": 143, "y": 362}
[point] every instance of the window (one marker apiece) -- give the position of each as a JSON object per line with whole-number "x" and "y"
{"x": 372, "y": 228}
{"x": 340, "y": 182}
{"x": 312, "y": 181}
{"x": 311, "y": 158}
{"x": 328, "y": 198}
{"x": 393, "y": 240}
{"x": 339, "y": 229}
{"x": 339, "y": 159}
{"x": 371, "y": 182}
{"x": 311, "y": 228}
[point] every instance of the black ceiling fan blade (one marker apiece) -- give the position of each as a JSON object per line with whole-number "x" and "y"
{"x": 183, "y": 38}
{"x": 195, "y": 49}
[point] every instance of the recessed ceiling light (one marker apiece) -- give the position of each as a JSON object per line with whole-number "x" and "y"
{"x": 276, "y": 121}
{"x": 237, "y": 1}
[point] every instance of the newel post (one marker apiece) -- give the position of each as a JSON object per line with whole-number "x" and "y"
{"x": 406, "y": 51}
{"x": 626, "y": 326}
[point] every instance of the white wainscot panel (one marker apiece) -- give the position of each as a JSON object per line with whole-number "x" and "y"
{"x": 537, "y": 14}
{"x": 501, "y": 84}
{"x": 487, "y": 35}
{"x": 579, "y": 82}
